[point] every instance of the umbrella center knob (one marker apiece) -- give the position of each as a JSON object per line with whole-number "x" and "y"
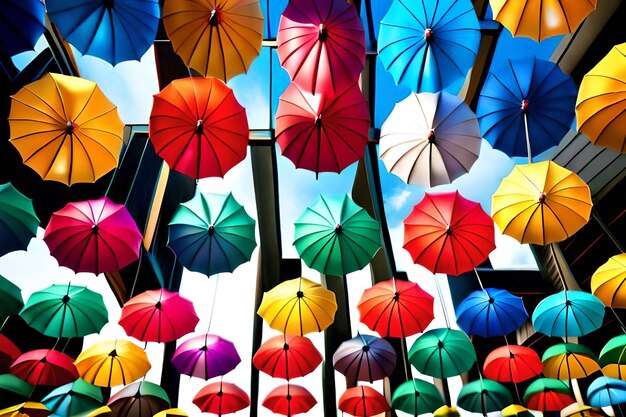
{"x": 199, "y": 127}
{"x": 65, "y": 299}
{"x": 318, "y": 120}
{"x": 300, "y": 294}
{"x": 511, "y": 355}
{"x": 428, "y": 35}
{"x": 365, "y": 348}
{"x": 568, "y": 303}
{"x": 108, "y": 4}
{"x": 288, "y": 397}
{"x": 220, "y": 393}
{"x": 214, "y": 19}
{"x": 448, "y": 229}
{"x": 525, "y": 104}
{"x": 95, "y": 228}
{"x": 203, "y": 348}
{"x": 158, "y": 305}
{"x": 440, "y": 344}
{"x": 338, "y": 229}
{"x": 396, "y": 296}
{"x": 137, "y": 396}
{"x": 70, "y": 128}
{"x": 113, "y": 353}
{"x": 44, "y": 360}
{"x": 211, "y": 229}
{"x": 431, "y": 136}
{"x": 285, "y": 346}
{"x": 323, "y": 33}
{"x": 491, "y": 300}
{"x": 542, "y": 197}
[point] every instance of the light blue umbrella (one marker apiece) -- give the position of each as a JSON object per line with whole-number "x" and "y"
{"x": 605, "y": 391}
{"x": 568, "y": 314}
{"x": 72, "y": 399}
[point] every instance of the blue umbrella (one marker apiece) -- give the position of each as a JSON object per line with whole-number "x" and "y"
{"x": 21, "y": 25}
{"x": 568, "y": 314}
{"x": 605, "y": 391}
{"x": 114, "y": 30}
{"x": 429, "y": 45}
{"x": 72, "y": 399}
{"x": 365, "y": 358}
{"x": 526, "y": 106}
{"x": 491, "y": 312}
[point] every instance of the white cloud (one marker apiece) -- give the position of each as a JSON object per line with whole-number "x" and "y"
{"x": 399, "y": 199}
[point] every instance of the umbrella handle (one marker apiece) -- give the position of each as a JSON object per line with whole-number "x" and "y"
{"x": 530, "y": 157}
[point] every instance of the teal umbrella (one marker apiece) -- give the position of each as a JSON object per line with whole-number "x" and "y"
{"x": 568, "y": 314}
{"x": 10, "y": 298}
{"x": 484, "y": 396}
{"x": 11, "y": 383}
{"x": 74, "y": 398}
{"x": 336, "y": 236}
{"x": 18, "y": 221}
{"x": 442, "y": 353}
{"x": 416, "y": 397}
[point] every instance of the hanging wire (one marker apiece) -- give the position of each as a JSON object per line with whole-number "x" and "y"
{"x": 106, "y": 193}
{"x": 530, "y": 157}
{"x": 479, "y": 281}
{"x": 217, "y": 277}
{"x": 441, "y": 301}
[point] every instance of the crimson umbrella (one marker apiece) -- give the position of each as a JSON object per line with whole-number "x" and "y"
{"x": 221, "y": 398}
{"x": 45, "y": 367}
{"x": 363, "y": 401}
{"x": 512, "y": 363}
{"x": 205, "y": 356}
{"x": 139, "y": 399}
{"x": 9, "y": 352}
{"x": 289, "y": 400}
{"x": 365, "y": 358}
{"x": 547, "y": 394}
{"x": 287, "y": 356}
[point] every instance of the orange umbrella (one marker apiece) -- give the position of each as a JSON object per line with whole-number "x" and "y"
{"x": 607, "y": 283}
{"x": 27, "y": 409}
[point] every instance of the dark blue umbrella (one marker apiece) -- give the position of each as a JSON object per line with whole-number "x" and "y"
{"x": 21, "y": 25}
{"x": 526, "y": 106}
{"x": 491, "y": 312}
{"x": 605, "y": 391}
{"x": 429, "y": 45}
{"x": 114, "y": 30}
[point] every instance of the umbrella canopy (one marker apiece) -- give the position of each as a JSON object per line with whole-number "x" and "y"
{"x": 322, "y": 132}
{"x": 93, "y": 236}
{"x": 607, "y": 283}
{"x": 321, "y": 44}
{"x": 45, "y": 367}
{"x": 601, "y": 106}
{"x": 526, "y": 106}
{"x": 430, "y": 139}
{"x": 447, "y": 411}
{"x": 484, "y": 396}
{"x": 9, "y": 352}
{"x": 22, "y": 36}
{"x": 74, "y": 398}
{"x": 18, "y": 225}
{"x": 139, "y": 399}
{"x": 362, "y": 401}
{"x": 416, "y": 397}
{"x": 577, "y": 410}
{"x": 396, "y": 308}
{"x": 206, "y": 356}
{"x": 613, "y": 357}
{"x": 429, "y": 46}
{"x": 365, "y": 358}
{"x": 287, "y": 356}
{"x": 515, "y": 410}
{"x": 569, "y": 361}
{"x": 198, "y": 127}
{"x": 221, "y": 398}
{"x": 512, "y": 363}
{"x": 172, "y": 412}
{"x": 65, "y": 311}
{"x": 216, "y": 38}
{"x": 449, "y": 234}
{"x": 289, "y": 400}
{"x": 568, "y": 314}
{"x": 605, "y": 392}
{"x": 11, "y": 383}
{"x": 442, "y": 353}
{"x": 11, "y": 300}
{"x": 114, "y": 30}
{"x": 546, "y": 394}
{"x": 65, "y": 129}
{"x": 27, "y": 409}
{"x": 112, "y": 362}
{"x": 541, "y": 203}
{"x": 336, "y": 236}
{"x": 158, "y": 316}
{"x": 212, "y": 233}
{"x": 298, "y": 306}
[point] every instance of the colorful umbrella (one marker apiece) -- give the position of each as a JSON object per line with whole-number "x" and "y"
{"x": 112, "y": 362}
{"x": 568, "y": 314}
{"x": 205, "y": 356}
{"x": 607, "y": 283}
{"x": 101, "y": 411}
{"x": 335, "y": 236}
{"x": 23, "y": 24}
{"x": 324, "y": 132}
{"x": 447, "y": 411}
{"x": 74, "y": 398}
{"x": 569, "y": 361}
{"x": 321, "y": 44}
{"x": 11, "y": 300}
{"x": 216, "y": 38}
{"x": 198, "y": 127}
{"x": 613, "y": 357}
{"x": 546, "y": 394}
{"x": 139, "y": 399}
{"x": 396, "y": 308}
{"x": 45, "y": 367}
{"x": 93, "y": 236}
{"x": 484, "y": 396}
{"x": 515, "y": 410}
{"x": 287, "y": 356}
{"x": 448, "y": 234}
{"x": 65, "y": 129}
{"x": 541, "y": 203}
{"x": 429, "y": 46}
{"x": 9, "y": 352}
{"x": 221, "y": 398}
{"x": 442, "y": 353}
{"x": 289, "y": 400}
{"x": 601, "y": 106}
{"x": 13, "y": 384}
{"x": 27, "y": 409}
{"x": 365, "y": 358}
{"x": 298, "y": 306}
{"x": 416, "y": 397}
{"x": 605, "y": 392}
{"x": 212, "y": 233}
{"x": 363, "y": 401}
{"x": 512, "y": 363}
{"x": 18, "y": 225}
{"x": 578, "y": 410}
{"x": 172, "y": 412}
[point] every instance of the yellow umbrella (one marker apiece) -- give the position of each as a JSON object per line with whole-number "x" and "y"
{"x": 515, "y": 410}
{"x": 171, "y": 412}
{"x": 217, "y": 38}
{"x": 607, "y": 283}
{"x": 446, "y": 411}
{"x": 569, "y": 361}
{"x": 112, "y": 362}
{"x": 577, "y": 410}
{"x": 27, "y": 409}
{"x": 65, "y": 129}
{"x": 541, "y": 19}
{"x": 298, "y": 306}
{"x": 101, "y": 411}
{"x": 541, "y": 203}
{"x": 601, "y": 103}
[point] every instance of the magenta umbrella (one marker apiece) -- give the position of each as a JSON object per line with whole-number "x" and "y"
{"x": 206, "y": 356}
{"x": 365, "y": 358}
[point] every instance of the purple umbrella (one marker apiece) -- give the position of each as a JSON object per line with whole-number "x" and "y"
{"x": 365, "y": 358}
{"x": 205, "y": 356}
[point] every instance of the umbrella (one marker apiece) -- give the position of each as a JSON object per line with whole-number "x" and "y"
{"x": 448, "y": 234}
{"x": 613, "y": 357}
{"x": 9, "y": 352}
{"x": 65, "y": 129}
{"x": 74, "y": 398}
{"x": 11, "y": 383}
{"x": 362, "y": 401}
{"x": 429, "y": 46}
{"x": 324, "y": 132}
{"x": 114, "y": 30}
{"x": 23, "y": 24}
{"x": 568, "y": 314}
{"x": 515, "y": 410}
{"x": 484, "y": 396}
{"x": 396, "y": 308}
{"x": 212, "y": 233}
{"x": 65, "y": 311}
{"x": 45, "y": 367}
{"x": 216, "y": 38}
{"x": 335, "y": 236}
{"x": 289, "y": 400}
{"x": 526, "y": 106}
{"x": 11, "y": 300}
{"x": 221, "y": 398}
{"x": 607, "y": 283}
{"x": 430, "y": 139}
{"x": 442, "y": 353}
{"x": 546, "y": 394}
{"x": 577, "y": 410}
{"x": 158, "y": 316}
{"x": 101, "y": 411}
{"x": 18, "y": 224}
{"x": 541, "y": 203}
{"x": 287, "y": 356}
{"x": 172, "y": 412}
{"x": 205, "y": 356}
{"x": 491, "y": 312}
{"x": 569, "y": 361}
{"x": 93, "y": 236}
{"x": 365, "y": 358}
{"x": 112, "y": 362}
{"x": 198, "y": 127}
{"x": 447, "y": 411}
{"x": 416, "y": 397}
{"x": 27, "y": 409}
{"x": 600, "y": 106}
{"x": 605, "y": 391}
{"x": 298, "y": 306}
{"x": 512, "y": 363}
{"x": 139, "y": 399}
{"x": 321, "y": 44}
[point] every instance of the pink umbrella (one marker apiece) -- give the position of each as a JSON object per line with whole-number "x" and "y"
{"x": 45, "y": 367}
{"x": 205, "y": 356}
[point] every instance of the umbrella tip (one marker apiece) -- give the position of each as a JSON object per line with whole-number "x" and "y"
{"x": 366, "y": 348}
{"x": 396, "y": 296}
{"x": 428, "y": 35}
{"x": 199, "y": 127}
{"x": 318, "y": 120}
{"x": 113, "y": 353}
{"x": 323, "y": 34}
{"x": 108, "y": 4}
{"x": 491, "y": 300}
{"x": 211, "y": 229}
{"x": 285, "y": 346}
{"x": 95, "y": 228}
{"x": 157, "y": 305}
{"x": 542, "y": 197}
{"x": 338, "y": 229}
{"x": 288, "y": 397}
{"x": 525, "y": 104}
{"x": 65, "y": 299}
{"x": 300, "y": 294}
{"x": 440, "y": 345}
{"x": 448, "y": 229}
{"x": 214, "y": 19}
{"x": 432, "y": 137}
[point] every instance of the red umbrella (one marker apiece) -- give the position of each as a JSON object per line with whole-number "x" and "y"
{"x": 321, "y": 44}
{"x": 448, "y": 234}
{"x": 45, "y": 367}
{"x": 8, "y": 353}
{"x": 205, "y": 356}
{"x": 158, "y": 316}
{"x": 512, "y": 363}
{"x": 289, "y": 400}
{"x": 198, "y": 127}
{"x": 363, "y": 401}
{"x": 221, "y": 398}
{"x": 93, "y": 236}
{"x": 322, "y": 132}
{"x": 396, "y": 308}
{"x": 287, "y": 356}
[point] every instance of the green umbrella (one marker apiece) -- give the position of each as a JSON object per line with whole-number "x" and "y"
{"x": 18, "y": 221}
{"x": 335, "y": 236}
{"x": 74, "y": 398}
{"x": 416, "y": 397}
{"x": 65, "y": 311}
{"x": 442, "y": 353}
{"x": 9, "y": 382}
{"x": 612, "y": 357}
{"x": 484, "y": 396}
{"x": 10, "y": 298}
